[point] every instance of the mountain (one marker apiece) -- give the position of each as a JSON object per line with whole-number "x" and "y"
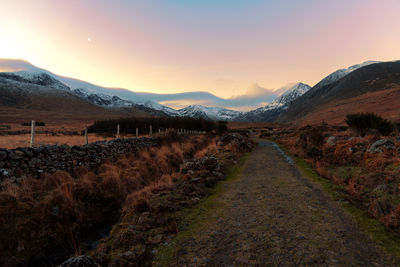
{"x": 212, "y": 113}
{"x": 42, "y": 79}
{"x": 43, "y": 98}
{"x": 28, "y": 71}
{"x": 273, "y": 110}
{"x": 369, "y": 88}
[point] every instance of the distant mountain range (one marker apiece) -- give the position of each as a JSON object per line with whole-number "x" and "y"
{"x": 295, "y": 104}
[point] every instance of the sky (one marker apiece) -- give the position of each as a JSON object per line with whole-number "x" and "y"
{"x": 229, "y": 48}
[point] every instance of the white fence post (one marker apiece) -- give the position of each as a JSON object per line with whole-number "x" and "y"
{"x": 33, "y": 124}
{"x": 159, "y": 131}
{"x": 117, "y": 131}
{"x": 151, "y": 130}
{"x": 86, "y": 136}
{"x": 137, "y": 132}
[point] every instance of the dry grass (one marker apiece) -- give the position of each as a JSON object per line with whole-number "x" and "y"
{"x": 384, "y": 103}
{"x": 23, "y": 140}
{"x": 58, "y": 210}
{"x": 369, "y": 179}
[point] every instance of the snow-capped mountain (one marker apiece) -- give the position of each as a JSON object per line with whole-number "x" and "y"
{"x": 102, "y": 100}
{"x": 213, "y": 113}
{"x": 337, "y": 75}
{"x": 42, "y": 79}
{"x": 276, "y": 107}
{"x": 32, "y": 73}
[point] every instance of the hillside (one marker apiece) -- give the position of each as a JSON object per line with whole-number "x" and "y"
{"x": 47, "y": 99}
{"x": 373, "y": 87}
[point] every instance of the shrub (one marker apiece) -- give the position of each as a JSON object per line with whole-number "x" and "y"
{"x": 311, "y": 137}
{"x": 362, "y": 122}
{"x": 222, "y": 127}
{"x": 37, "y": 123}
{"x": 129, "y": 125}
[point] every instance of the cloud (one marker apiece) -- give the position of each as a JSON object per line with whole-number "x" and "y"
{"x": 254, "y": 97}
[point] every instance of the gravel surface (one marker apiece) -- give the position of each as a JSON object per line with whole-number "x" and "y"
{"x": 272, "y": 215}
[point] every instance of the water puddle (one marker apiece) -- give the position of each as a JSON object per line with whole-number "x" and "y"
{"x": 286, "y": 156}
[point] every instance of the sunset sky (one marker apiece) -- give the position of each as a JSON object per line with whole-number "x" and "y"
{"x": 220, "y": 46}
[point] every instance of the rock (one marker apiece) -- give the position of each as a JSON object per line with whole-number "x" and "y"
{"x": 383, "y": 143}
{"x": 23, "y": 162}
{"x": 357, "y": 147}
{"x": 34, "y": 162}
{"x": 80, "y": 261}
{"x": 331, "y": 141}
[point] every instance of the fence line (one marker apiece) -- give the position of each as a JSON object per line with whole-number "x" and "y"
{"x": 118, "y": 133}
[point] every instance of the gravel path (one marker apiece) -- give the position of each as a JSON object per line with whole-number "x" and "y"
{"x": 272, "y": 215}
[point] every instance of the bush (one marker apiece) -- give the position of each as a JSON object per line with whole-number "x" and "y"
{"x": 222, "y": 127}
{"x": 311, "y": 137}
{"x": 129, "y": 125}
{"x": 362, "y": 122}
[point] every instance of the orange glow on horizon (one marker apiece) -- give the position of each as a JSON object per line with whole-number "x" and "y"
{"x": 170, "y": 49}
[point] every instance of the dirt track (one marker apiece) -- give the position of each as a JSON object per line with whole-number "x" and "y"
{"x": 272, "y": 215}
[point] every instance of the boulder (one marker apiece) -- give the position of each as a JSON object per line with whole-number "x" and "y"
{"x": 383, "y": 143}
{"x": 331, "y": 141}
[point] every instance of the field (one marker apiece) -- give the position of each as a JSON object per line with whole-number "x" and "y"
{"x": 16, "y": 135}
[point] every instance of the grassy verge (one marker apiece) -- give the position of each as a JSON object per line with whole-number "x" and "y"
{"x": 387, "y": 240}
{"x": 190, "y": 219}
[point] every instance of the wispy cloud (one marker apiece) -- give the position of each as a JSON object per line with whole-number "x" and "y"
{"x": 255, "y": 96}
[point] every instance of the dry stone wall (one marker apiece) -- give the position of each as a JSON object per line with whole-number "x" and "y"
{"x": 16, "y": 164}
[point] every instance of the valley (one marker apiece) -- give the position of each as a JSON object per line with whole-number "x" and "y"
{"x": 202, "y": 186}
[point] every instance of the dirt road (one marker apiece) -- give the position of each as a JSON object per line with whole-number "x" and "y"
{"x": 272, "y": 215}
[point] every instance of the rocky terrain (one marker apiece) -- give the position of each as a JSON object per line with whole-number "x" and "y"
{"x": 17, "y": 164}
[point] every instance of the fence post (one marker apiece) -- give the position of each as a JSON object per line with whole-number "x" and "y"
{"x": 137, "y": 132}
{"x": 86, "y": 136}
{"x": 117, "y": 131}
{"x": 159, "y": 131}
{"x": 33, "y": 124}
{"x": 151, "y": 130}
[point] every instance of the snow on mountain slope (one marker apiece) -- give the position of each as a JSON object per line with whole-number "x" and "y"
{"x": 213, "y": 113}
{"x": 276, "y": 107}
{"x": 29, "y": 72}
{"x": 42, "y": 79}
{"x": 337, "y": 75}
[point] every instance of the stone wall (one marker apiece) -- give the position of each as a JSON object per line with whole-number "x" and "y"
{"x": 16, "y": 164}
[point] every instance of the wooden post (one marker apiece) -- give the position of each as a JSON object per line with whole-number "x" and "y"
{"x": 33, "y": 124}
{"x": 137, "y": 132}
{"x": 151, "y": 130}
{"x": 86, "y": 136}
{"x": 159, "y": 131}
{"x": 118, "y": 131}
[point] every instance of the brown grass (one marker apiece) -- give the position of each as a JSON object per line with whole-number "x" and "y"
{"x": 58, "y": 210}
{"x": 384, "y": 103}
{"x": 370, "y": 179}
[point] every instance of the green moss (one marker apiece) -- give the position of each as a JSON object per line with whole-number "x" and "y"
{"x": 384, "y": 238}
{"x": 190, "y": 219}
